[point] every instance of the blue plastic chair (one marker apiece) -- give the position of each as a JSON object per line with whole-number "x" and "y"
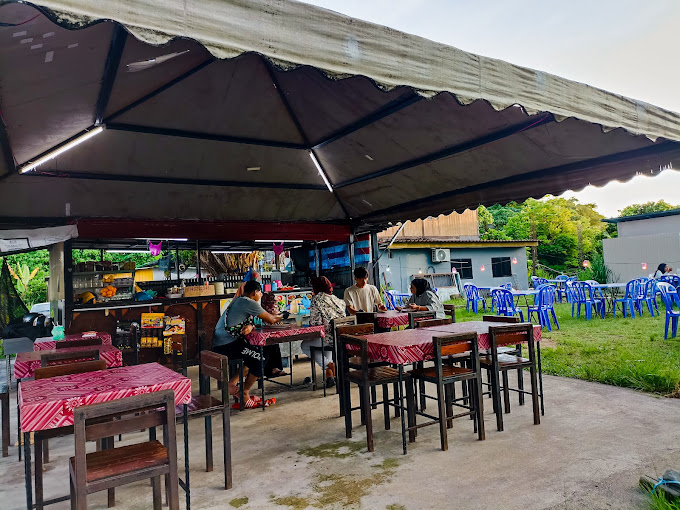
{"x": 570, "y": 293}
{"x": 561, "y": 286}
{"x": 537, "y": 281}
{"x": 473, "y": 298}
{"x": 583, "y": 294}
{"x": 649, "y": 297}
{"x": 671, "y": 300}
{"x": 543, "y": 307}
{"x": 505, "y": 303}
{"x": 628, "y": 300}
{"x": 674, "y": 280}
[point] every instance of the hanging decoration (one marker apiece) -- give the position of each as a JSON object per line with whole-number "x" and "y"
{"x": 155, "y": 249}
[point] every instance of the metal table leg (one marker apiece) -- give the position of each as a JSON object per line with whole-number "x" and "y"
{"x": 27, "y": 470}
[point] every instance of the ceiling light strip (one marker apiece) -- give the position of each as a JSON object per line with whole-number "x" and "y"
{"x": 56, "y": 152}
{"x": 321, "y": 172}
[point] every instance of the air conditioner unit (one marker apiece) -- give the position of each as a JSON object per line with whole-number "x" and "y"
{"x": 441, "y": 255}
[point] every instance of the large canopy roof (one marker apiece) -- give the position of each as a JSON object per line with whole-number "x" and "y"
{"x": 231, "y": 110}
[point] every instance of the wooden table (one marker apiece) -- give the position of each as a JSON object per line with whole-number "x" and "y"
{"x": 47, "y": 405}
{"x": 26, "y": 362}
{"x": 47, "y": 343}
{"x": 277, "y": 334}
{"x": 413, "y": 345}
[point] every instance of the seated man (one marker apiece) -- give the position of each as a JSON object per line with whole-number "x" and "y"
{"x": 362, "y": 296}
{"x": 230, "y": 333}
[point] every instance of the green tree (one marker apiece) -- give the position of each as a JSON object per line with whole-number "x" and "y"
{"x": 484, "y": 220}
{"x": 646, "y": 208}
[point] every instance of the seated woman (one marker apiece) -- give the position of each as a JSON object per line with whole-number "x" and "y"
{"x": 230, "y": 338}
{"x": 662, "y": 270}
{"x": 423, "y": 299}
{"x": 324, "y": 308}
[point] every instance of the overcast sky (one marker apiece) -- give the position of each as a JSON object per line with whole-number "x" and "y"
{"x": 629, "y": 47}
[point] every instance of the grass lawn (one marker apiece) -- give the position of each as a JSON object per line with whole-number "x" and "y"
{"x": 623, "y": 352}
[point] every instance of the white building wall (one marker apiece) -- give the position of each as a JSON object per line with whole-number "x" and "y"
{"x": 625, "y": 255}
{"x": 662, "y": 225}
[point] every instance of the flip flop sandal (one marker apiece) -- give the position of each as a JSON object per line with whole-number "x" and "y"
{"x": 251, "y": 403}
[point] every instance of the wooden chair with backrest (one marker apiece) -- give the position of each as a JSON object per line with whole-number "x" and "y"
{"x": 498, "y": 364}
{"x": 41, "y": 437}
{"x": 450, "y": 310}
{"x": 61, "y": 358}
{"x": 428, "y": 323}
{"x": 366, "y": 317}
{"x": 83, "y": 342}
{"x": 516, "y": 350}
{"x": 347, "y": 326}
{"x": 445, "y": 377}
{"x": 366, "y": 377}
{"x": 335, "y": 323}
{"x": 106, "y": 469}
{"x": 212, "y": 366}
{"x": 4, "y": 417}
{"x": 415, "y": 317}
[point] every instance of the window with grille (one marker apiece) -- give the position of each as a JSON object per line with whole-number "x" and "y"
{"x": 463, "y": 267}
{"x": 500, "y": 267}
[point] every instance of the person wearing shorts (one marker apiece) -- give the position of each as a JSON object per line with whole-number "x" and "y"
{"x": 230, "y": 333}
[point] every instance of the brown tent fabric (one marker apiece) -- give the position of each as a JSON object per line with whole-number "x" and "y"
{"x": 216, "y": 110}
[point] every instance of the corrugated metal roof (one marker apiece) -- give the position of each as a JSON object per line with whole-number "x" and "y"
{"x": 457, "y": 241}
{"x": 671, "y": 212}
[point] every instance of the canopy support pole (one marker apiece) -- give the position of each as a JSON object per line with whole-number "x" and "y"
{"x": 376, "y": 260}
{"x": 198, "y": 262}
{"x": 317, "y": 259}
{"x": 352, "y": 262}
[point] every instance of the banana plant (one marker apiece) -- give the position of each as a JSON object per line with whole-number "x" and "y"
{"x": 23, "y": 275}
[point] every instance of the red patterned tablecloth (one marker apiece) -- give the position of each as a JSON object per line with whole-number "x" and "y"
{"x": 259, "y": 336}
{"x": 46, "y": 343}
{"x": 49, "y": 403}
{"x": 27, "y": 362}
{"x": 411, "y": 345}
{"x": 391, "y": 319}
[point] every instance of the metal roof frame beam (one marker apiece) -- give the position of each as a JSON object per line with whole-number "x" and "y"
{"x": 453, "y": 150}
{"x": 653, "y": 150}
{"x": 202, "y": 136}
{"x": 174, "y": 180}
{"x": 116, "y": 48}
{"x": 390, "y": 108}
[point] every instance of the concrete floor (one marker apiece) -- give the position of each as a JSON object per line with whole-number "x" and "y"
{"x": 588, "y": 453}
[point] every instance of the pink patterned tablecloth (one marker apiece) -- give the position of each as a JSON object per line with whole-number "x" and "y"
{"x": 411, "y": 345}
{"x": 27, "y": 362}
{"x": 259, "y": 336}
{"x": 46, "y": 343}
{"x": 391, "y": 319}
{"x": 49, "y": 403}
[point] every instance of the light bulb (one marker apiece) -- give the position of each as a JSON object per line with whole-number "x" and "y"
{"x": 586, "y": 263}
{"x": 420, "y": 271}
{"x": 514, "y": 260}
{"x": 482, "y": 268}
{"x": 644, "y": 266}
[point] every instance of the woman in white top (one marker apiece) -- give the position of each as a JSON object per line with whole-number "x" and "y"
{"x": 324, "y": 308}
{"x": 662, "y": 270}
